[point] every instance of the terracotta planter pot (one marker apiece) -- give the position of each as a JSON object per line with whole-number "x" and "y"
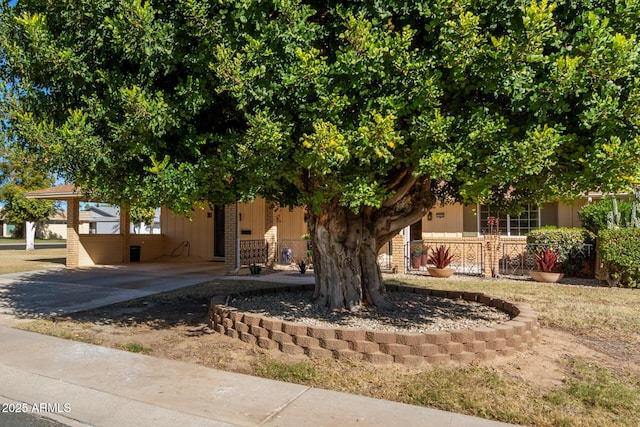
{"x": 546, "y": 276}
{"x": 424, "y": 259}
{"x": 415, "y": 262}
{"x": 440, "y": 272}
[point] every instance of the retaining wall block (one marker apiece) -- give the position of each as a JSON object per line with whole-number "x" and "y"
{"x": 267, "y": 343}
{"x": 271, "y": 324}
{"x": 454, "y": 295}
{"x": 232, "y": 333}
{"x": 498, "y": 344}
{"x": 475, "y": 346}
{"x": 236, "y": 316}
{"x": 496, "y": 303}
{"x": 364, "y": 346}
{"x": 438, "y": 337}
{"x": 280, "y": 337}
{"x": 227, "y": 322}
{"x": 381, "y": 337}
{"x": 220, "y": 329}
{"x": 463, "y": 335}
{"x": 425, "y": 350}
{"x": 411, "y": 338}
{"x": 258, "y": 332}
{"x": 248, "y": 338}
{"x": 347, "y": 354}
{"x": 252, "y": 319}
{"x": 484, "y": 299}
{"x": 395, "y": 349}
{"x": 471, "y": 296}
{"x": 514, "y": 341}
{"x": 439, "y": 359}
{"x": 503, "y": 331}
{"x": 409, "y": 360}
{"x": 318, "y": 353}
{"x": 378, "y": 358}
{"x": 351, "y": 334}
{"x": 485, "y": 333}
{"x": 290, "y": 348}
{"x": 294, "y": 328}
{"x": 321, "y": 332}
{"x": 452, "y": 348}
{"x": 240, "y": 327}
{"x": 439, "y": 293}
{"x": 518, "y": 327}
{"x": 334, "y": 344}
{"x": 306, "y": 341}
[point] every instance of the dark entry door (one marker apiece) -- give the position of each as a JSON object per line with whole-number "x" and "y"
{"x": 218, "y": 231}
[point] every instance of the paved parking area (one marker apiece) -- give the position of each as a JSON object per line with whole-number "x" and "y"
{"x": 61, "y": 291}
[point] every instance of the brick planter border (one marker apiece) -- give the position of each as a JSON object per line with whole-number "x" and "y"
{"x": 461, "y": 346}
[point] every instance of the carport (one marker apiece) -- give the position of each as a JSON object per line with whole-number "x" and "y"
{"x": 92, "y": 249}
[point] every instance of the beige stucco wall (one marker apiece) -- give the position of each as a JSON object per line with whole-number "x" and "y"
{"x": 97, "y": 249}
{"x": 251, "y": 217}
{"x": 568, "y": 214}
{"x": 188, "y": 236}
{"x": 290, "y": 223}
{"x": 446, "y": 221}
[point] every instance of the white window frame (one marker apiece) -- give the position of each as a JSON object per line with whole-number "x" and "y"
{"x": 507, "y": 229}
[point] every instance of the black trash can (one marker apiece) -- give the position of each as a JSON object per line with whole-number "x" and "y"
{"x": 134, "y": 253}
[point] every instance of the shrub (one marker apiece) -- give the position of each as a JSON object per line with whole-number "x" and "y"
{"x": 594, "y": 215}
{"x": 569, "y": 242}
{"x": 619, "y": 251}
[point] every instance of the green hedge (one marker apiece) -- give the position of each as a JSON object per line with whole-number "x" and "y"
{"x": 594, "y": 215}
{"x": 569, "y": 242}
{"x": 619, "y": 250}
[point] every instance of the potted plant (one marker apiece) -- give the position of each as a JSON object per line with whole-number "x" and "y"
{"x": 302, "y": 267}
{"x": 547, "y": 264}
{"x": 416, "y": 256}
{"x": 440, "y": 258}
{"x": 255, "y": 269}
{"x": 424, "y": 259}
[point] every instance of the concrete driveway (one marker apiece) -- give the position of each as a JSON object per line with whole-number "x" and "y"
{"x": 56, "y": 292}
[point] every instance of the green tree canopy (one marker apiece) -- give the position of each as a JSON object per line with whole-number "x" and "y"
{"x": 367, "y": 112}
{"x": 18, "y": 175}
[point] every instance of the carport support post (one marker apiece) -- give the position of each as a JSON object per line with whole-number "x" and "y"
{"x": 73, "y": 232}
{"x": 125, "y": 232}
{"x": 231, "y": 241}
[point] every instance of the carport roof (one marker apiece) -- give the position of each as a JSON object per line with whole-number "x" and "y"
{"x": 59, "y": 192}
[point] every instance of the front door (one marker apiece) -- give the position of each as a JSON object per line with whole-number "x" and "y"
{"x": 218, "y": 231}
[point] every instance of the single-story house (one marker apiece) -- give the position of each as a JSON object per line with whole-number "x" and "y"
{"x": 245, "y": 233}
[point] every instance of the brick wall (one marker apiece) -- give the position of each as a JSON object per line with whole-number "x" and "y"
{"x": 231, "y": 261}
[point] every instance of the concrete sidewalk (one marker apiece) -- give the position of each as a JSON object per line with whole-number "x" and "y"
{"x": 80, "y": 384}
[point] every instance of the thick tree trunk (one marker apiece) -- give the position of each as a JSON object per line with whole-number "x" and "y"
{"x": 346, "y": 245}
{"x": 345, "y": 260}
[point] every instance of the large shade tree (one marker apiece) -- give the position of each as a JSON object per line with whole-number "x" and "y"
{"x": 366, "y": 112}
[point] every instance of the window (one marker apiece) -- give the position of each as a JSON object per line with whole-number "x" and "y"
{"x": 510, "y": 225}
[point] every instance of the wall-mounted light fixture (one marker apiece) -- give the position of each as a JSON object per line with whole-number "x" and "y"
{"x": 429, "y": 216}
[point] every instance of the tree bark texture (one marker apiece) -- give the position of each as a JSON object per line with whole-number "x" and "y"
{"x": 346, "y": 245}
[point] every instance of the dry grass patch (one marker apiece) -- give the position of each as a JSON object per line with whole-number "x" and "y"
{"x": 16, "y": 261}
